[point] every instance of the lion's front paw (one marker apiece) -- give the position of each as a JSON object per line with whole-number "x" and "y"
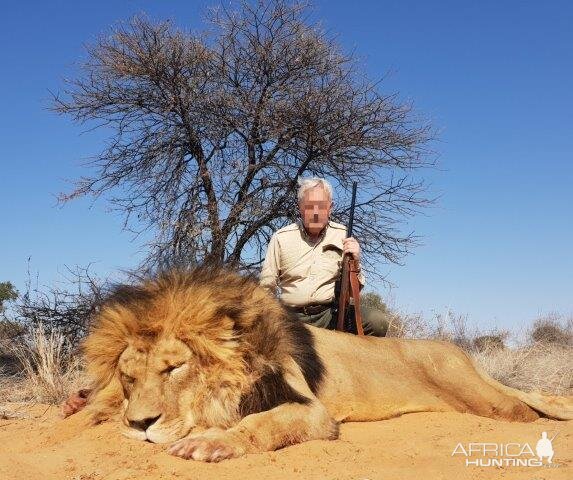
{"x": 210, "y": 446}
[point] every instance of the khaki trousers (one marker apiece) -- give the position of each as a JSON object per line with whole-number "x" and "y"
{"x": 375, "y": 322}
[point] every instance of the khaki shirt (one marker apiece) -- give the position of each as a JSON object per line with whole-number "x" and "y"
{"x": 304, "y": 272}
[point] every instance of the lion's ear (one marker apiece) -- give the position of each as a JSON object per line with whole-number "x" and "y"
{"x": 105, "y": 402}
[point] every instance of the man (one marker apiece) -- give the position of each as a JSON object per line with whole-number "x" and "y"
{"x": 304, "y": 260}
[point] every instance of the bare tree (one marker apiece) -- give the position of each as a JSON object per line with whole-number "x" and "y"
{"x": 213, "y": 129}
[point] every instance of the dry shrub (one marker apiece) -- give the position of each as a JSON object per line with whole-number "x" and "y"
{"x": 404, "y": 325}
{"x": 67, "y": 310}
{"x": 10, "y": 329}
{"x": 552, "y": 329}
{"x": 9, "y": 363}
{"x": 6, "y": 387}
{"x": 541, "y": 367}
{"x": 10, "y": 333}
{"x": 448, "y": 326}
{"x": 454, "y": 328}
{"x": 374, "y": 301}
{"x": 493, "y": 341}
{"x": 49, "y": 368}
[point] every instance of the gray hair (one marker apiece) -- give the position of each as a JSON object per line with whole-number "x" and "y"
{"x": 305, "y": 184}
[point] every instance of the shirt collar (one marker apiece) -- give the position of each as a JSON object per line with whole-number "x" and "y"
{"x": 304, "y": 233}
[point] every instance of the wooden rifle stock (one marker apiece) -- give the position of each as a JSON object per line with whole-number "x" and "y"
{"x": 349, "y": 286}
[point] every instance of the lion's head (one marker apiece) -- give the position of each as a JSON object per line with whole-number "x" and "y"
{"x": 186, "y": 349}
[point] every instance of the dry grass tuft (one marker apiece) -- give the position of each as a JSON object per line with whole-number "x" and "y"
{"x": 49, "y": 370}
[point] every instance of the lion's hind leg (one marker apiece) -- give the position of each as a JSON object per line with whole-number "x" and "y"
{"x": 459, "y": 381}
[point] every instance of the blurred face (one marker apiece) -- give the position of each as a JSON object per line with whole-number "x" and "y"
{"x": 315, "y": 210}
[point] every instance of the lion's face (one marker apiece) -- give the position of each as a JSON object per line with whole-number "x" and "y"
{"x": 159, "y": 383}
{"x": 181, "y": 352}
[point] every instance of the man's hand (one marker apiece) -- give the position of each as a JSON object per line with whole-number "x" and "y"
{"x": 350, "y": 245}
{"x": 75, "y": 402}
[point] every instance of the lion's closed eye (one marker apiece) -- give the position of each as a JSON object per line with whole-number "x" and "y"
{"x": 127, "y": 378}
{"x": 172, "y": 369}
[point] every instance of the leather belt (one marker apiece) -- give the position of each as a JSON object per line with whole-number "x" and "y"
{"x": 312, "y": 309}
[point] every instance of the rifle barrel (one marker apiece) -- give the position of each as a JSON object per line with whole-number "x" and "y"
{"x": 351, "y": 221}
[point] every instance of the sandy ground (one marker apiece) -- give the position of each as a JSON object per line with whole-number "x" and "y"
{"x": 40, "y": 445}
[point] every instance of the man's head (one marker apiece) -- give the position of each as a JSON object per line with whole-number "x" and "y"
{"x": 315, "y": 203}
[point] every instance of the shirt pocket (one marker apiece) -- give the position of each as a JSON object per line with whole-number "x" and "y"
{"x": 330, "y": 261}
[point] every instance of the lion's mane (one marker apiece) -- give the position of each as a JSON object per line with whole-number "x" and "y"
{"x": 237, "y": 330}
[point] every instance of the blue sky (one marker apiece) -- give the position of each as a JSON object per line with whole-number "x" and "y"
{"x": 495, "y": 78}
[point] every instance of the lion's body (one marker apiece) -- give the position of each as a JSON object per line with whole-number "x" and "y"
{"x": 209, "y": 357}
{"x": 378, "y": 378}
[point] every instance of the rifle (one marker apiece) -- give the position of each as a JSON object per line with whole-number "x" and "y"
{"x": 348, "y": 286}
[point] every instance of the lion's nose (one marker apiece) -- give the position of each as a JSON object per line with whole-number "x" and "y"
{"x": 143, "y": 424}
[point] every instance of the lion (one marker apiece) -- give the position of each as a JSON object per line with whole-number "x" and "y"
{"x": 210, "y": 362}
